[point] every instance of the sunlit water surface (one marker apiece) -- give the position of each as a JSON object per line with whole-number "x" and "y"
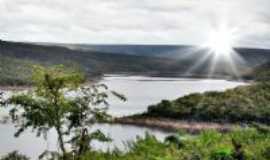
{"x": 140, "y": 91}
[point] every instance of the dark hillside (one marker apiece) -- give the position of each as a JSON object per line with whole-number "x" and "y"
{"x": 251, "y": 55}
{"x": 165, "y": 60}
{"x": 92, "y": 61}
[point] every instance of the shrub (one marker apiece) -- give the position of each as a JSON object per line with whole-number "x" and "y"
{"x": 243, "y": 104}
{"x": 15, "y": 155}
{"x": 222, "y": 154}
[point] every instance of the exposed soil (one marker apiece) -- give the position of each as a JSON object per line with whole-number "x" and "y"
{"x": 175, "y": 125}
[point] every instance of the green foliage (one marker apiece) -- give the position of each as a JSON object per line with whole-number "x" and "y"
{"x": 209, "y": 145}
{"x": 14, "y": 72}
{"x": 14, "y": 156}
{"x": 222, "y": 154}
{"x": 51, "y": 106}
{"x": 55, "y": 78}
{"x": 266, "y": 152}
{"x": 242, "y": 104}
{"x": 17, "y": 72}
{"x": 175, "y": 140}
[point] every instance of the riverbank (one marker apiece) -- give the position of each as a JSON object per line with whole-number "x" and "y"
{"x": 98, "y": 78}
{"x": 245, "y": 79}
{"x": 166, "y": 124}
{"x": 29, "y": 87}
{"x": 15, "y": 88}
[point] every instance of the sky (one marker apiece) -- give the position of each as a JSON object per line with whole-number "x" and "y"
{"x": 134, "y": 21}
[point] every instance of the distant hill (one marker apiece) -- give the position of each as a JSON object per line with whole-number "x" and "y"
{"x": 184, "y": 55}
{"x": 92, "y": 61}
{"x": 14, "y": 55}
{"x": 254, "y": 55}
{"x": 159, "y": 60}
{"x": 141, "y": 50}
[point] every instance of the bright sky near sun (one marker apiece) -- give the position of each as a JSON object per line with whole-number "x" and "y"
{"x": 136, "y": 22}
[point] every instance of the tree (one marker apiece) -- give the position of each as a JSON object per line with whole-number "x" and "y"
{"x": 58, "y": 101}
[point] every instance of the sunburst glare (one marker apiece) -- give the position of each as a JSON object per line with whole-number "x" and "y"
{"x": 219, "y": 53}
{"x": 221, "y": 40}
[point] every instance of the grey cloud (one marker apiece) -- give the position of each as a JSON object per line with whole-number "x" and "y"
{"x": 132, "y": 21}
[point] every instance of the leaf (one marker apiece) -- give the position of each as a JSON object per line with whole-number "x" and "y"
{"x": 98, "y": 135}
{"x": 120, "y": 96}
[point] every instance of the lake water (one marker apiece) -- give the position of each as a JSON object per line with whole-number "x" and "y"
{"x": 141, "y": 91}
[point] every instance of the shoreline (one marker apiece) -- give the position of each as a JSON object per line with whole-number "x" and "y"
{"x": 165, "y": 124}
{"x": 29, "y": 87}
{"x": 97, "y": 79}
{"x": 181, "y": 75}
{"x": 14, "y": 88}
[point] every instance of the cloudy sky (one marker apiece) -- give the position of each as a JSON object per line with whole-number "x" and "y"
{"x": 134, "y": 21}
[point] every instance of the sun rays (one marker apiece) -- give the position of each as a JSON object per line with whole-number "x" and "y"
{"x": 221, "y": 40}
{"x": 217, "y": 54}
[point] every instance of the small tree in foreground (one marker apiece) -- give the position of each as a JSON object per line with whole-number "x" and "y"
{"x": 59, "y": 102}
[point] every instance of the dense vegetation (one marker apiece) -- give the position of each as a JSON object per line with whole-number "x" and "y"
{"x": 17, "y": 72}
{"x": 242, "y": 104}
{"x": 240, "y": 144}
{"x": 209, "y": 145}
{"x": 14, "y": 71}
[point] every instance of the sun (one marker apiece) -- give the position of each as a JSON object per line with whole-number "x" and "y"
{"x": 221, "y": 41}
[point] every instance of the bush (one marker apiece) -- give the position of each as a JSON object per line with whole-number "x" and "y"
{"x": 14, "y": 156}
{"x": 266, "y": 152}
{"x": 209, "y": 145}
{"x": 222, "y": 154}
{"x": 243, "y": 104}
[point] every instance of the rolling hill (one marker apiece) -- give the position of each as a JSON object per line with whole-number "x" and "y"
{"x": 139, "y": 59}
{"x": 186, "y": 57}
{"x": 254, "y": 55}
{"x": 184, "y": 54}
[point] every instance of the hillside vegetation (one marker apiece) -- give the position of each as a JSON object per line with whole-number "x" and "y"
{"x": 242, "y": 104}
{"x": 249, "y": 103}
{"x": 17, "y": 58}
{"x": 97, "y": 62}
{"x": 14, "y": 71}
